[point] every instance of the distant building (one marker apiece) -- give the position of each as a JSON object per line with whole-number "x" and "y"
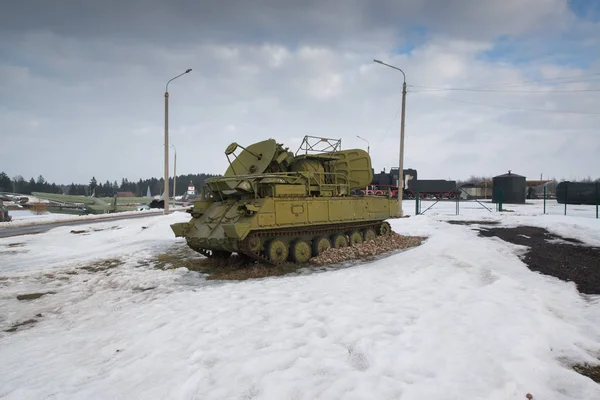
{"x": 481, "y": 190}
{"x": 535, "y": 189}
{"x": 125, "y": 194}
{"x": 191, "y": 191}
{"x": 509, "y": 188}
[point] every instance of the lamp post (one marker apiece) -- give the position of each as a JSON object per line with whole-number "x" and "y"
{"x": 166, "y": 192}
{"x": 174, "y": 175}
{"x": 401, "y": 160}
{"x": 368, "y": 148}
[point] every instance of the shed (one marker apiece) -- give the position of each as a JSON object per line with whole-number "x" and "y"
{"x": 512, "y": 188}
{"x": 481, "y": 190}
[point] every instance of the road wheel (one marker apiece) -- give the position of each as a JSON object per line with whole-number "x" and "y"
{"x": 254, "y": 244}
{"x": 339, "y": 240}
{"x": 385, "y": 229}
{"x": 319, "y": 245}
{"x": 355, "y": 238}
{"x": 369, "y": 234}
{"x": 277, "y": 251}
{"x": 301, "y": 251}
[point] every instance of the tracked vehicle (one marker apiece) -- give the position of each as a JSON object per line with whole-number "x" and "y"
{"x": 273, "y": 205}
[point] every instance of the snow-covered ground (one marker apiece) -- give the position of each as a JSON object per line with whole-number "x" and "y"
{"x": 28, "y": 218}
{"x": 459, "y": 317}
{"x": 18, "y": 216}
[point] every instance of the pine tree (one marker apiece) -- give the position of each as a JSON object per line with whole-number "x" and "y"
{"x": 93, "y": 185}
{"x": 5, "y": 183}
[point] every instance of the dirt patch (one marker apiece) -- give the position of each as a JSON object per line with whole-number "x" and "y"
{"x": 15, "y": 245}
{"x": 87, "y": 232}
{"x": 240, "y": 268}
{"x": 32, "y": 296}
{"x": 232, "y": 268}
{"x": 102, "y": 265}
{"x": 18, "y": 325}
{"x": 564, "y": 258}
{"x": 144, "y": 289}
{"x": 473, "y": 222}
{"x": 244, "y": 270}
{"x": 591, "y": 371}
{"x": 181, "y": 257}
{"x": 381, "y": 244}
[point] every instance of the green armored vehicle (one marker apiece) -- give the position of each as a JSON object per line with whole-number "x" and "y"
{"x": 273, "y": 205}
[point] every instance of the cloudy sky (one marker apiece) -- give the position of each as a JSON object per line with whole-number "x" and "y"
{"x": 493, "y": 85}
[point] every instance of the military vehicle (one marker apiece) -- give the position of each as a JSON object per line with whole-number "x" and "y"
{"x": 273, "y": 205}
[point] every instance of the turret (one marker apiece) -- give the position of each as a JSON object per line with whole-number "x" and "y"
{"x": 267, "y": 169}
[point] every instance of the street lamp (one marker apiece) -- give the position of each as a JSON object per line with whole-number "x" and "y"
{"x": 401, "y": 161}
{"x": 368, "y": 148}
{"x": 166, "y": 192}
{"x": 174, "y": 175}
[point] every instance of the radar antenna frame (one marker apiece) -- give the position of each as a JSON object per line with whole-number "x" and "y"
{"x": 316, "y": 144}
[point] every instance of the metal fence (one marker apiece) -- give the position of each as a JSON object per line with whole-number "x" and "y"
{"x": 571, "y": 206}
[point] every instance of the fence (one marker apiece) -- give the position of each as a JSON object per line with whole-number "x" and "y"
{"x": 545, "y": 205}
{"x": 588, "y": 196}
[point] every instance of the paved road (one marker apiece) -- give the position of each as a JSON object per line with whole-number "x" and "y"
{"x": 43, "y": 227}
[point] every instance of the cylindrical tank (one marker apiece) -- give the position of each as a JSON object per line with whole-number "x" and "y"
{"x": 512, "y": 186}
{"x": 577, "y": 192}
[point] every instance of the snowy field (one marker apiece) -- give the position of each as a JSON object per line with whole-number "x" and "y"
{"x": 25, "y": 215}
{"x": 459, "y": 317}
{"x": 27, "y": 218}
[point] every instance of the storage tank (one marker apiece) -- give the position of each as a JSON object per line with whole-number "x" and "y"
{"x": 512, "y": 186}
{"x": 577, "y": 192}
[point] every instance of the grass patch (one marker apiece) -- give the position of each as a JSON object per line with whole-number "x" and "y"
{"x": 15, "y": 245}
{"x": 32, "y": 296}
{"x": 180, "y": 258}
{"x": 591, "y": 371}
{"x": 102, "y": 265}
{"x": 39, "y": 208}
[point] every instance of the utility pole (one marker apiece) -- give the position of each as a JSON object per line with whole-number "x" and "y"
{"x": 401, "y": 158}
{"x": 368, "y": 152}
{"x": 166, "y": 190}
{"x": 174, "y": 176}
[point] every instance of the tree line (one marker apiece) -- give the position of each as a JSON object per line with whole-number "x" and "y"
{"x": 18, "y": 184}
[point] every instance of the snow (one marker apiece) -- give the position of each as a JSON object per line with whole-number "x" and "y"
{"x": 27, "y": 218}
{"x": 26, "y": 215}
{"x": 460, "y": 316}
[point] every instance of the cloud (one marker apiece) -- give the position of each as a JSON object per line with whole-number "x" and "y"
{"x": 82, "y": 84}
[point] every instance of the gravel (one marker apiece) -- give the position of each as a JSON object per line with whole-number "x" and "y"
{"x": 381, "y": 244}
{"x": 564, "y": 258}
